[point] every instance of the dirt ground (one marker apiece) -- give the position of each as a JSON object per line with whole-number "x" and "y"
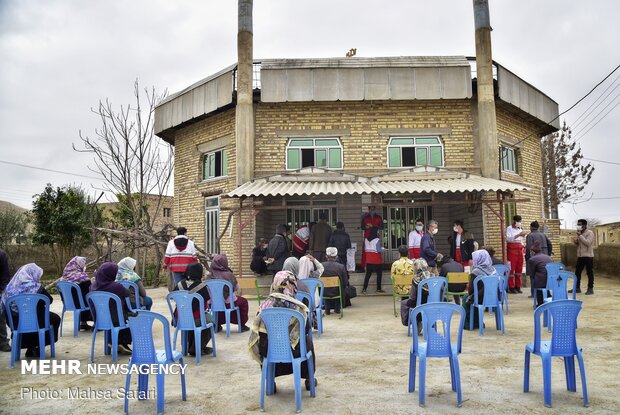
{"x": 362, "y": 367}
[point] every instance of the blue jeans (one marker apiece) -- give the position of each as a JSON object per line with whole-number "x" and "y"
{"x": 147, "y": 302}
{"x": 178, "y": 277}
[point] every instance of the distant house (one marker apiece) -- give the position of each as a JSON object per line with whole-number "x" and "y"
{"x": 163, "y": 213}
{"x": 335, "y": 135}
{"x": 4, "y": 206}
{"x": 608, "y": 233}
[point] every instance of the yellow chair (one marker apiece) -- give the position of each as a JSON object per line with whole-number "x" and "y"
{"x": 457, "y": 278}
{"x": 333, "y": 282}
{"x": 401, "y": 285}
{"x": 249, "y": 283}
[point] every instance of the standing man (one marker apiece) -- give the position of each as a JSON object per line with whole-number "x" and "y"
{"x": 514, "y": 246}
{"x": 415, "y": 237}
{"x": 544, "y": 245}
{"x": 461, "y": 243}
{"x": 301, "y": 240}
{"x": 427, "y": 247}
{"x": 5, "y": 277}
{"x": 370, "y": 220}
{"x": 319, "y": 237}
{"x": 277, "y": 250}
{"x": 536, "y": 264}
{"x": 585, "y": 254}
{"x": 180, "y": 252}
{"x": 341, "y": 241}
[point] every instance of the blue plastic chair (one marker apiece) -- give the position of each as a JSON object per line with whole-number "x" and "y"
{"x": 437, "y": 288}
{"x": 132, "y": 286}
{"x": 99, "y": 302}
{"x": 184, "y": 322}
{"x": 279, "y": 350}
{"x": 216, "y": 293}
{"x": 313, "y": 284}
{"x": 558, "y": 287}
{"x": 309, "y": 298}
{"x": 66, "y": 290}
{"x": 504, "y": 272}
{"x": 29, "y": 323}
{"x": 436, "y": 343}
{"x": 563, "y": 344}
{"x": 553, "y": 270}
{"x": 491, "y": 285}
{"x": 144, "y": 354}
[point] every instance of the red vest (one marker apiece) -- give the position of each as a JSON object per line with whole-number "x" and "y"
{"x": 372, "y": 256}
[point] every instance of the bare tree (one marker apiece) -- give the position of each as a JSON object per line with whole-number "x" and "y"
{"x": 565, "y": 175}
{"x": 136, "y": 165}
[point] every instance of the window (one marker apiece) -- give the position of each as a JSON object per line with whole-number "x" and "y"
{"x": 314, "y": 152}
{"x": 212, "y": 224}
{"x": 510, "y": 209}
{"x": 415, "y": 151}
{"x": 508, "y": 159}
{"x": 215, "y": 165}
{"x": 167, "y": 212}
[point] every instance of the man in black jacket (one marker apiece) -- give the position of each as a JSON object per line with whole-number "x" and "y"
{"x": 277, "y": 250}
{"x": 341, "y": 241}
{"x": 5, "y": 277}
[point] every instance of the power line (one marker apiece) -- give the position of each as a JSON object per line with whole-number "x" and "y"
{"x": 51, "y": 170}
{"x": 587, "y": 112}
{"x": 600, "y": 119}
{"x": 602, "y": 161}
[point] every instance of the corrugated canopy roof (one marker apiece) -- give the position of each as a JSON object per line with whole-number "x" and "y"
{"x": 316, "y": 181}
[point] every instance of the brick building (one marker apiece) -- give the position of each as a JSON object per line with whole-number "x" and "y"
{"x": 336, "y": 135}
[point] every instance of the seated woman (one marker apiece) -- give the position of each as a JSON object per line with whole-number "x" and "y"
{"x": 310, "y": 267}
{"x": 283, "y": 290}
{"x": 194, "y": 285}
{"x": 75, "y": 271}
{"x": 220, "y": 271}
{"x": 126, "y": 272}
{"x": 105, "y": 278}
{"x": 27, "y": 281}
{"x": 420, "y": 272}
{"x": 482, "y": 264}
{"x": 259, "y": 255}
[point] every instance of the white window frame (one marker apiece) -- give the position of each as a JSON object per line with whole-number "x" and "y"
{"x": 212, "y": 225}
{"x": 515, "y": 159}
{"x": 224, "y": 157}
{"x": 315, "y": 147}
{"x": 415, "y": 146}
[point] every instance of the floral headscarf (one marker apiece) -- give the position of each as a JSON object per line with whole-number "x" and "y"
{"x": 126, "y": 271}
{"x": 75, "y": 270}
{"x": 25, "y": 281}
{"x": 420, "y": 269}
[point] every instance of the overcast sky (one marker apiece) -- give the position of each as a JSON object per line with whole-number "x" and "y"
{"x": 59, "y": 57}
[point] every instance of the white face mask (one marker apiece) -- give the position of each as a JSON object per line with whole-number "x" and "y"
{"x": 455, "y": 229}
{"x": 518, "y": 224}
{"x": 419, "y": 227}
{"x": 435, "y": 231}
{"x": 579, "y": 227}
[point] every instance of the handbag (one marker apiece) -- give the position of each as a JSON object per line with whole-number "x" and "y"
{"x": 350, "y": 291}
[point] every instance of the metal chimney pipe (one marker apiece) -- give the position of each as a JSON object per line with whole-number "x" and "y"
{"x": 488, "y": 145}
{"x": 244, "y": 112}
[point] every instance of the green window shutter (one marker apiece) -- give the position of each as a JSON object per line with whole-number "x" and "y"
{"x": 293, "y": 159}
{"x": 212, "y": 165}
{"x": 205, "y": 167}
{"x": 335, "y": 158}
{"x": 427, "y": 140}
{"x": 421, "y": 156}
{"x": 320, "y": 158}
{"x": 327, "y": 142}
{"x": 401, "y": 141}
{"x": 436, "y": 156}
{"x": 301, "y": 143}
{"x": 224, "y": 163}
{"x": 394, "y": 157}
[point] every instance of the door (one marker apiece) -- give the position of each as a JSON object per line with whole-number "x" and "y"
{"x": 397, "y": 223}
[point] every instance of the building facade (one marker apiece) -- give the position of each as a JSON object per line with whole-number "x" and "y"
{"x": 338, "y": 135}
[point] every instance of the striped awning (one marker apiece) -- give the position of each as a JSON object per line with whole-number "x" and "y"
{"x": 316, "y": 181}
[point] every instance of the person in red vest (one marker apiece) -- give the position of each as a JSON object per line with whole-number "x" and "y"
{"x": 374, "y": 258}
{"x": 370, "y": 219}
{"x": 515, "y": 237}
{"x": 301, "y": 240}
{"x": 415, "y": 237}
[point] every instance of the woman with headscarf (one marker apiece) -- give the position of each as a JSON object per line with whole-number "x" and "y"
{"x": 420, "y": 272}
{"x": 310, "y": 267}
{"x": 75, "y": 271}
{"x": 194, "y": 285}
{"x": 221, "y": 271}
{"x": 126, "y": 272}
{"x": 482, "y": 264}
{"x": 105, "y": 278}
{"x": 283, "y": 290}
{"x": 374, "y": 260}
{"x": 27, "y": 280}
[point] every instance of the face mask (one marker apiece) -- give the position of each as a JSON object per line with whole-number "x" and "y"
{"x": 419, "y": 227}
{"x": 455, "y": 229}
{"x": 518, "y": 224}
{"x": 579, "y": 227}
{"x": 435, "y": 231}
